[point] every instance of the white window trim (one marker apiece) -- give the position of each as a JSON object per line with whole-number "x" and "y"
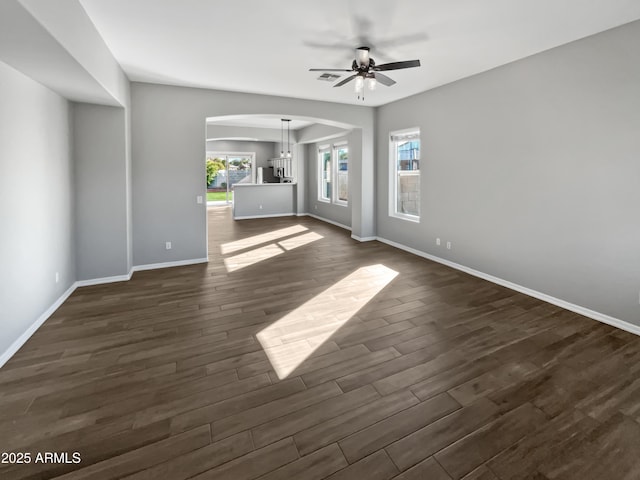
{"x": 334, "y": 167}
{"x": 321, "y": 150}
{"x": 332, "y": 149}
{"x": 393, "y": 177}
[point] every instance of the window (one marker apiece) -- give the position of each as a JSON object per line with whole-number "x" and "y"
{"x": 341, "y": 156}
{"x": 404, "y": 178}
{"x": 333, "y": 174}
{"x": 324, "y": 160}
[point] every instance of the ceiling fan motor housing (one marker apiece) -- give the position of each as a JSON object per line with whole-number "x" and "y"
{"x": 363, "y": 69}
{"x": 362, "y": 57}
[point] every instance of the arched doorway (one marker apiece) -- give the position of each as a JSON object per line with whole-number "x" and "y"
{"x": 260, "y": 130}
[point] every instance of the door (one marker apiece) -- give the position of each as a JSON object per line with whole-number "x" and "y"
{"x": 238, "y": 167}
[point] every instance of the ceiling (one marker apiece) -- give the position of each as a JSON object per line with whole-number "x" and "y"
{"x": 267, "y": 46}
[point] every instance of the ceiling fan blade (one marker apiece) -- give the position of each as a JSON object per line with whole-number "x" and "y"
{"x": 346, "y": 80}
{"x": 329, "y": 70}
{"x": 383, "y": 79}
{"x": 397, "y": 65}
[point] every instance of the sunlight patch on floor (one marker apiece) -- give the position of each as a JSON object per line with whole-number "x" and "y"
{"x": 299, "y": 241}
{"x": 251, "y": 257}
{"x": 249, "y": 242}
{"x": 292, "y": 339}
{"x": 246, "y": 259}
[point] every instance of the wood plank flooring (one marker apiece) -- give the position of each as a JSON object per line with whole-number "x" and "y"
{"x": 299, "y": 353}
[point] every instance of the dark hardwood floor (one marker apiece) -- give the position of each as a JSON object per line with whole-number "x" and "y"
{"x": 299, "y": 353}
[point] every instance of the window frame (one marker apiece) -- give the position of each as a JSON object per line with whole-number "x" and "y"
{"x": 335, "y": 149}
{"x": 321, "y": 170}
{"x": 394, "y": 175}
{"x": 332, "y": 177}
{"x": 220, "y": 154}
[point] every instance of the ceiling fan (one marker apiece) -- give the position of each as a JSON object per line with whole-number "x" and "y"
{"x": 365, "y": 70}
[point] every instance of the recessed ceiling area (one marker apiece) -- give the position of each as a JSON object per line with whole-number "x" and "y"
{"x": 259, "y": 121}
{"x": 269, "y": 128}
{"x": 267, "y": 46}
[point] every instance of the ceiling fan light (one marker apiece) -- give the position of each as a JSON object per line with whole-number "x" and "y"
{"x": 359, "y": 83}
{"x": 371, "y": 83}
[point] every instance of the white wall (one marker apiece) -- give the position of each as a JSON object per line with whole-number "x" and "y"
{"x": 75, "y": 31}
{"x": 532, "y": 171}
{"x": 56, "y": 44}
{"x": 36, "y": 202}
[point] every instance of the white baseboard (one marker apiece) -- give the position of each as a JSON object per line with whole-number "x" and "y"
{"x": 179, "y": 263}
{"x": 100, "y": 281}
{"x": 249, "y": 217}
{"x": 22, "y": 339}
{"x": 601, "y": 317}
{"x": 364, "y": 239}
{"x": 139, "y": 268}
{"x": 326, "y": 220}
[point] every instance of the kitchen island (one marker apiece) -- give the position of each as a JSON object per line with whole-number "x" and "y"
{"x": 255, "y": 200}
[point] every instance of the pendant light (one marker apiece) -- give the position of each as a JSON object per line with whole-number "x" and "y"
{"x": 288, "y": 140}
{"x": 282, "y": 138}
{"x": 284, "y": 162}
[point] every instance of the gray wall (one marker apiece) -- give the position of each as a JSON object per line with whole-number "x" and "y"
{"x": 263, "y": 150}
{"x": 36, "y": 202}
{"x": 264, "y": 200}
{"x": 336, "y": 213}
{"x": 532, "y": 171}
{"x": 129, "y": 182}
{"x": 300, "y": 165}
{"x": 168, "y": 129}
{"x": 101, "y": 191}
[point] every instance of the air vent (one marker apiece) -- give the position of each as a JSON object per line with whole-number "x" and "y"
{"x": 328, "y": 77}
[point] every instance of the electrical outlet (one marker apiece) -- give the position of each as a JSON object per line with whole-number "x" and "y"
{"x": 57, "y": 277}
{"x": 437, "y": 241}
{"x": 260, "y": 207}
{"x": 448, "y": 245}
{"x": 199, "y": 199}
{"x": 167, "y": 245}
